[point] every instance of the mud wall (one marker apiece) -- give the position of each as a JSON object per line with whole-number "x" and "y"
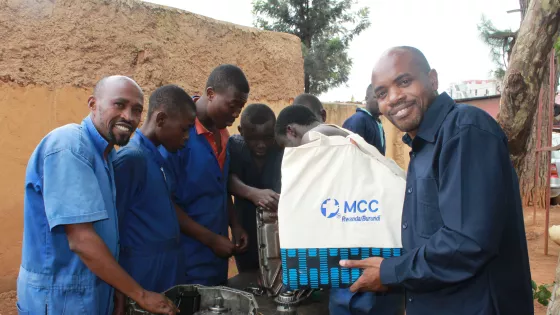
{"x": 53, "y": 52}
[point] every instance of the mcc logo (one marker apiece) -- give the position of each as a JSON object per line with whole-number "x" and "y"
{"x": 354, "y": 211}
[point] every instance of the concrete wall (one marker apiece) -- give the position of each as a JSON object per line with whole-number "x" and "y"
{"x": 53, "y": 52}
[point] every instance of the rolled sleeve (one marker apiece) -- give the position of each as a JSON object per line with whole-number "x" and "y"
{"x": 71, "y": 190}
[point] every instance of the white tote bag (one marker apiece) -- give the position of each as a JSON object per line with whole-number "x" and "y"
{"x": 341, "y": 199}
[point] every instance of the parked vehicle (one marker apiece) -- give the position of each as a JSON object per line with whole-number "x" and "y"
{"x": 554, "y": 167}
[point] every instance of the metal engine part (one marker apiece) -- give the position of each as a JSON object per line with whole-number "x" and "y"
{"x": 196, "y": 299}
{"x": 270, "y": 261}
{"x": 286, "y": 303}
{"x": 269, "y": 251}
{"x": 217, "y": 308}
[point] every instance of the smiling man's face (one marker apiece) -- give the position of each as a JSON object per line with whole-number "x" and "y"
{"x": 117, "y": 109}
{"x": 405, "y": 88}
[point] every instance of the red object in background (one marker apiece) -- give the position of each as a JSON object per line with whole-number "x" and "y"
{"x": 553, "y": 170}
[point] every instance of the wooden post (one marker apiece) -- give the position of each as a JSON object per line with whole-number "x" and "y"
{"x": 549, "y": 153}
{"x": 538, "y": 146}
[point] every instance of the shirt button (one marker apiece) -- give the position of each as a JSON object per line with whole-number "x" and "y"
{"x": 413, "y": 154}
{"x": 410, "y": 299}
{"x": 404, "y": 226}
{"x": 409, "y": 190}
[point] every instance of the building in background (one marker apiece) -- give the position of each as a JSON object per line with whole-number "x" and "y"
{"x": 490, "y": 104}
{"x": 474, "y": 88}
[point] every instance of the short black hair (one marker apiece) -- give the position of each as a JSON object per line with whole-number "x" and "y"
{"x": 172, "y": 99}
{"x": 294, "y": 114}
{"x": 310, "y": 101}
{"x": 226, "y": 76}
{"x": 369, "y": 92}
{"x": 257, "y": 114}
{"x": 422, "y": 61}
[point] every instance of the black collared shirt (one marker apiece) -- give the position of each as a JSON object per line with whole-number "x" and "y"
{"x": 243, "y": 165}
{"x": 462, "y": 227}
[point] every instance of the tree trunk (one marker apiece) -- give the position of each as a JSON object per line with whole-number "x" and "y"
{"x": 306, "y": 39}
{"x": 534, "y": 193}
{"x": 525, "y": 76}
{"x": 307, "y": 78}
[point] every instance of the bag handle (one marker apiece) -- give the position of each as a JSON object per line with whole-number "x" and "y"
{"x": 318, "y": 139}
{"x": 373, "y": 152}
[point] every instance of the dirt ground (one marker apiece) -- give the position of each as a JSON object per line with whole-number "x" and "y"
{"x": 542, "y": 267}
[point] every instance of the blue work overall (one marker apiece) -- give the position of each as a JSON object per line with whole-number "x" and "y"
{"x": 149, "y": 230}
{"x": 68, "y": 181}
{"x": 201, "y": 191}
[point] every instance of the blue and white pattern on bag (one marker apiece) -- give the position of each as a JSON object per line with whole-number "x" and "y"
{"x": 319, "y": 267}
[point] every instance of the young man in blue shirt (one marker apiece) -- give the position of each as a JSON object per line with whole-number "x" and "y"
{"x": 254, "y": 175}
{"x": 70, "y": 235}
{"x": 463, "y": 234}
{"x": 366, "y": 122}
{"x": 202, "y": 171}
{"x": 149, "y": 230}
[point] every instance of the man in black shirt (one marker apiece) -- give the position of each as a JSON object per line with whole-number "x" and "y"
{"x": 463, "y": 234}
{"x": 254, "y": 174}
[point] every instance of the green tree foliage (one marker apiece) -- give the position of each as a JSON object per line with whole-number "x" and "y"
{"x": 500, "y": 43}
{"x": 325, "y": 27}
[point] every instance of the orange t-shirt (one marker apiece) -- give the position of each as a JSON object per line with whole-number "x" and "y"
{"x": 224, "y": 136}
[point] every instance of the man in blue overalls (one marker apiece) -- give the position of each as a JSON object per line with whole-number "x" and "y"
{"x": 366, "y": 123}
{"x": 201, "y": 169}
{"x": 149, "y": 232}
{"x": 70, "y": 235}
